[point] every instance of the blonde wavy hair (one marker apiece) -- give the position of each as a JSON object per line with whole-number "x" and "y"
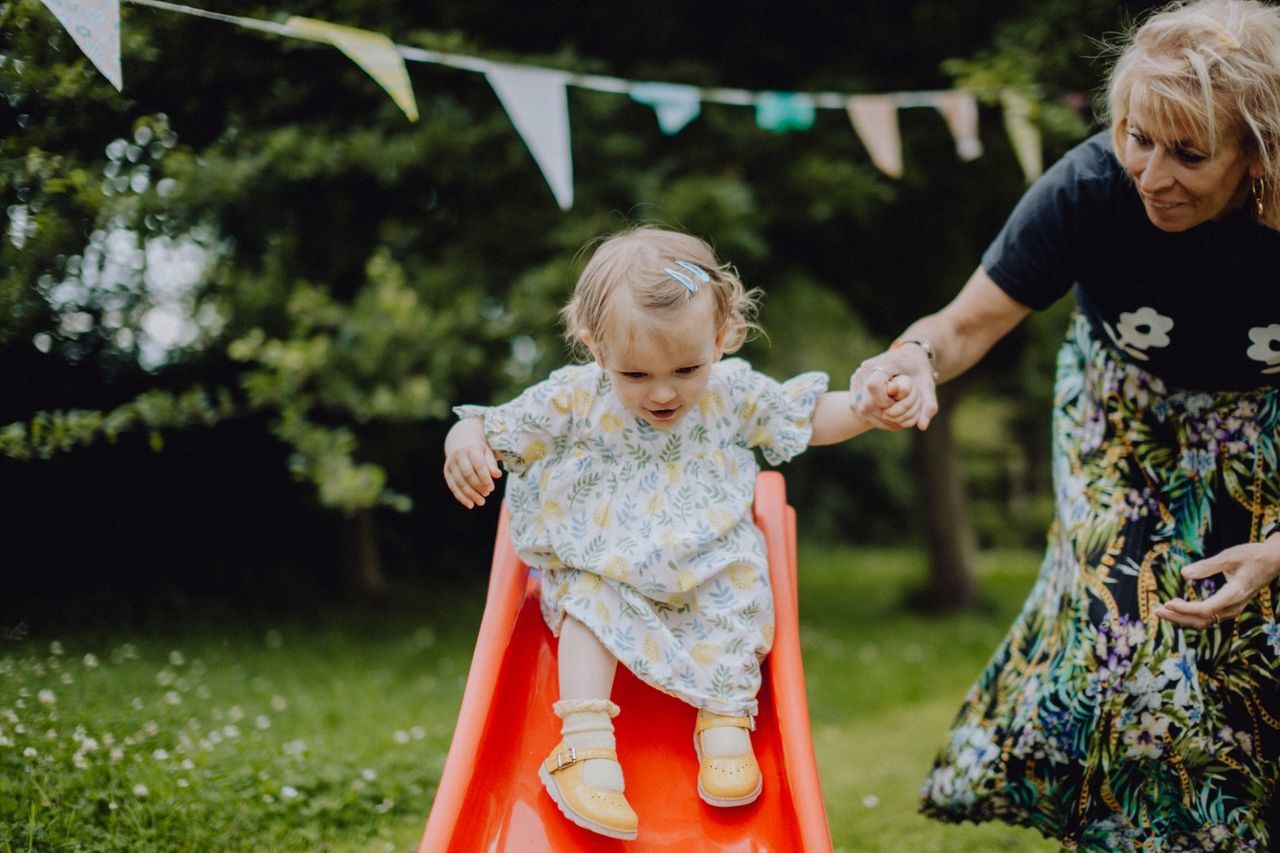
{"x": 628, "y": 269}
{"x": 1211, "y": 68}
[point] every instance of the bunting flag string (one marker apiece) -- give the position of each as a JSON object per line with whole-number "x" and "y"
{"x": 535, "y": 97}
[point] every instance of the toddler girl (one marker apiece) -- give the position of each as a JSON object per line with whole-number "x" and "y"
{"x": 632, "y": 492}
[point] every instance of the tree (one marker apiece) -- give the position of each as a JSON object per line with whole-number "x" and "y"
{"x": 347, "y": 271}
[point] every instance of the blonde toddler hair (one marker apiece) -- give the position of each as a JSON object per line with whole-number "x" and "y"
{"x": 1212, "y": 68}
{"x": 629, "y": 268}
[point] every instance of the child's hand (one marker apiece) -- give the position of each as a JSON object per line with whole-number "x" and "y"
{"x": 469, "y": 464}
{"x": 906, "y": 403}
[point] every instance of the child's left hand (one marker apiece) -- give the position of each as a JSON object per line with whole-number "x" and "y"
{"x": 907, "y": 402}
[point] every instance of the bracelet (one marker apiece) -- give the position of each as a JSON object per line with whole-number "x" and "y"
{"x": 920, "y": 342}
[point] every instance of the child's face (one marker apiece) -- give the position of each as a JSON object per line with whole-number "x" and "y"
{"x": 661, "y": 372}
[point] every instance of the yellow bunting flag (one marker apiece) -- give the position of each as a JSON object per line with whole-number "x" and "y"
{"x": 1024, "y": 135}
{"x": 373, "y": 52}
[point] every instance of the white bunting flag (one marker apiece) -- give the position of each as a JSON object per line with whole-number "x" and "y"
{"x": 95, "y": 26}
{"x": 960, "y": 112}
{"x": 373, "y": 52}
{"x": 538, "y": 105}
{"x": 1024, "y": 135}
{"x": 875, "y": 120}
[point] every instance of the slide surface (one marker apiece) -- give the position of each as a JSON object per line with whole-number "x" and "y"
{"x": 490, "y": 799}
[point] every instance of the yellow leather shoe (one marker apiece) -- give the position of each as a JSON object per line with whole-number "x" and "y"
{"x": 605, "y": 812}
{"x": 732, "y": 781}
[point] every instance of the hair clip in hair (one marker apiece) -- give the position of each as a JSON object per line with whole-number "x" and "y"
{"x": 689, "y": 284}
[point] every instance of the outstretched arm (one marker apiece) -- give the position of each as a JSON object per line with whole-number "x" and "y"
{"x": 835, "y": 418}
{"x": 469, "y": 464}
{"x": 959, "y": 335}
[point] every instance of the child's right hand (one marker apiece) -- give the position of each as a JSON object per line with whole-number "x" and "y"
{"x": 906, "y": 403}
{"x": 470, "y": 467}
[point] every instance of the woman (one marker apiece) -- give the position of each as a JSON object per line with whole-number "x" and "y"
{"x": 1135, "y": 702}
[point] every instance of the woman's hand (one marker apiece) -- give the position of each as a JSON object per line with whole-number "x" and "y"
{"x": 1247, "y": 568}
{"x": 470, "y": 467}
{"x": 895, "y": 389}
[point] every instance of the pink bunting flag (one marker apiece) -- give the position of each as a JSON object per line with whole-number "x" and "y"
{"x": 875, "y": 120}
{"x": 95, "y": 27}
{"x": 960, "y": 112}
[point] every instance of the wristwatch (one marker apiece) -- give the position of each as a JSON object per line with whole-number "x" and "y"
{"x": 920, "y": 342}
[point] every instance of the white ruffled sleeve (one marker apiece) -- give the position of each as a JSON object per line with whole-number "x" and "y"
{"x": 535, "y": 425}
{"x": 776, "y": 417}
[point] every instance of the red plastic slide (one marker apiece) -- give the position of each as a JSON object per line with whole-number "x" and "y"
{"x": 490, "y": 798}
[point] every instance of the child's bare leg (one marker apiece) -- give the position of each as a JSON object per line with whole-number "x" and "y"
{"x": 582, "y": 774}
{"x": 586, "y": 666}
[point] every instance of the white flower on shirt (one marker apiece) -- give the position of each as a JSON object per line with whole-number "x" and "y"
{"x": 1266, "y": 346}
{"x": 1138, "y": 331}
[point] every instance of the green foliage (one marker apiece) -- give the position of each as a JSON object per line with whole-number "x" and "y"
{"x": 342, "y": 268}
{"x": 330, "y": 730}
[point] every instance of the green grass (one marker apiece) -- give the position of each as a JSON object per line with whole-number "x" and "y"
{"x": 329, "y": 732}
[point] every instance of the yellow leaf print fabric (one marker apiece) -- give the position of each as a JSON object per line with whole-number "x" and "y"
{"x": 646, "y": 537}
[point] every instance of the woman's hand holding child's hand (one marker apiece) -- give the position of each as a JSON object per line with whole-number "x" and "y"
{"x": 470, "y": 467}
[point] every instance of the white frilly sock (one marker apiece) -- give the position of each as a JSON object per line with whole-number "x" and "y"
{"x": 588, "y": 723}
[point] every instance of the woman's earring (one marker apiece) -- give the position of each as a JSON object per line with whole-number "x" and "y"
{"x": 1259, "y": 188}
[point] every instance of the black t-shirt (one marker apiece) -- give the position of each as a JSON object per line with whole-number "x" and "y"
{"x": 1199, "y": 309}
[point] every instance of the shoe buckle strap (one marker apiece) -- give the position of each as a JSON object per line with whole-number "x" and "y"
{"x": 570, "y": 756}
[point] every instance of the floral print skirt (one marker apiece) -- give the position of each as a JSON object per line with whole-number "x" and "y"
{"x": 1096, "y": 722}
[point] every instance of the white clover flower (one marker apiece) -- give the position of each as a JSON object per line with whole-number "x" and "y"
{"x": 55, "y": 648}
{"x": 165, "y": 677}
{"x": 215, "y": 737}
{"x": 288, "y": 792}
{"x": 117, "y": 755}
{"x": 400, "y": 737}
{"x": 369, "y": 774}
{"x": 261, "y": 722}
{"x": 182, "y": 783}
{"x": 418, "y": 732}
{"x": 385, "y": 806}
{"x": 47, "y": 697}
{"x": 79, "y": 761}
{"x": 30, "y": 752}
{"x": 295, "y": 747}
{"x": 187, "y": 764}
{"x": 176, "y": 658}
{"x": 140, "y": 790}
{"x": 231, "y": 732}
{"x": 203, "y": 692}
{"x": 160, "y": 755}
{"x": 67, "y": 678}
{"x": 90, "y": 661}
{"x": 89, "y": 745}
{"x": 5, "y": 741}
{"x": 279, "y": 703}
{"x": 871, "y": 801}
{"x": 136, "y": 704}
{"x": 235, "y": 714}
{"x": 172, "y": 697}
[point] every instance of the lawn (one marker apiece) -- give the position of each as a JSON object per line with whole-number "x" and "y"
{"x": 328, "y": 730}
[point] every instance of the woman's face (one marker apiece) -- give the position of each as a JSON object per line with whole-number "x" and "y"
{"x": 1180, "y": 184}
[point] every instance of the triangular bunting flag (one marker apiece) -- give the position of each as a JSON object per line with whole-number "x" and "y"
{"x": 538, "y": 105}
{"x": 95, "y": 26}
{"x": 676, "y": 105}
{"x": 875, "y": 120}
{"x": 1024, "y": 135}
{"x": 783, "y": 111}
{"x": 373, "y": 52}
{"x": 960, "y": 112}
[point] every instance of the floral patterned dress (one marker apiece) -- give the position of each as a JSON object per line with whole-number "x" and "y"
{"x": 1096, "y": 722}
{"x": 646, "y": 537}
